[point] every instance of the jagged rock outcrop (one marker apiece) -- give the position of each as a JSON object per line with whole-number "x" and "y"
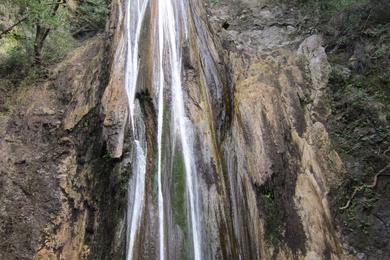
{"x": 280, "y": 161}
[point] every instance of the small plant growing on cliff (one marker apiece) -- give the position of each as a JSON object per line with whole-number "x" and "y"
{"x": 274, "y": 223}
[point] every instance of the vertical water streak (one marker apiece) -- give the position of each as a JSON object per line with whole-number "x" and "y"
{"x": 166, "y": 11}
{"x": 133, "y": 26}
{"x": 132, "y": 60}
{"x": 135, "y": 211}
{"x": 160, "y": 85}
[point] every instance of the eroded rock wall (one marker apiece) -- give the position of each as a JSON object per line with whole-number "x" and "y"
{"x": 62, "y": 195}
{"x": 280, "y": 164}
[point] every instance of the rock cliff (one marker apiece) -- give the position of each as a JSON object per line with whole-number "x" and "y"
{"x": 256, "y": 83}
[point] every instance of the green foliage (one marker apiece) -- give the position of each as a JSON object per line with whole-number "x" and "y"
{"x": 39, "y": 11}
{"x": 17, "y": 45}
{"x": 332, "y": 5}
{"x": 33, "y": 13}
{"x": 12, "y": 56}
{"x": 90, "y": 17}
{"x": 59, "y": 43}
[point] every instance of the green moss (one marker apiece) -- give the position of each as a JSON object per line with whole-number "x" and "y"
{"x": 179, "y": 192}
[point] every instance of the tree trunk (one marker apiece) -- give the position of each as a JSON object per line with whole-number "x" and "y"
{"x": 40, "y": 37}
{"x": 41, "y": 34}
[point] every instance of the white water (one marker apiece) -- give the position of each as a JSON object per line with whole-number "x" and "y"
{"x": 134, "y": 212}
{"x": 168, "y": 54}
{"x": 135, "y": 13}
{"x": 168, "y": 32}
{"x": 160, "y": 86}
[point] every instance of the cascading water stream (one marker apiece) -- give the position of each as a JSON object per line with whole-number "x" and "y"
{"x": 136, "y": 199}
{"x": 134, "y": 213}
{"x": 168, "y": 33}
{"x": 168, "y": 69}
{"x": 160, "y": 86}
{"x": 133, "y": 28}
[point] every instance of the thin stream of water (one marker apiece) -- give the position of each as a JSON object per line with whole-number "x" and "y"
{"x": 136, "y": 200}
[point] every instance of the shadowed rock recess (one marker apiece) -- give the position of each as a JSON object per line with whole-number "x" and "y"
{"x": 256, "y": 103}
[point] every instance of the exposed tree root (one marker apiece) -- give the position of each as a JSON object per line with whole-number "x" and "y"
{"x": 372, "y": 185}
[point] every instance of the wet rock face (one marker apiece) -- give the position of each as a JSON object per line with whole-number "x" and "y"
{"x": 280, "y": 164}
{"x": 278, "y": 158}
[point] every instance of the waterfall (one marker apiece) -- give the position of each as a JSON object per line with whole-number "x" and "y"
{"x": 137, "y": 198}
{"x": 168, "y": 32}
{"x": 135, "y": 13}
{"x": 160, "y": 86}
{"x": 167, "y": 65}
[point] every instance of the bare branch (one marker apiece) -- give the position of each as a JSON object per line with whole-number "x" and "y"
{"x": 9, "y": 29}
